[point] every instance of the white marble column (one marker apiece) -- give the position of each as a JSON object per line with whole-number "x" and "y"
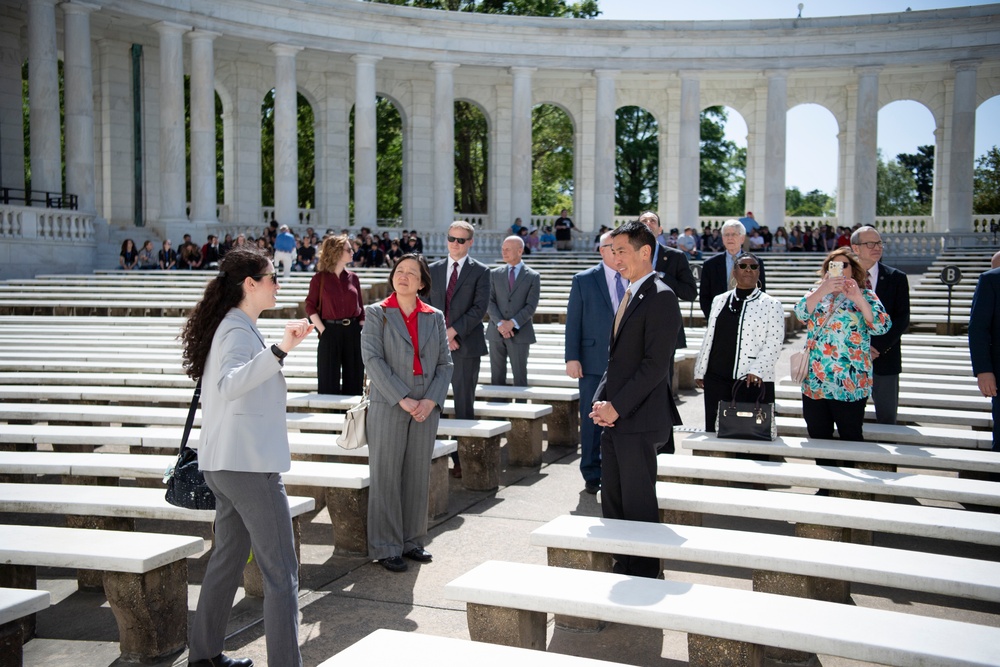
{"x": 520, "y": 158}
{"x": 365, "y": 146}
{"x": 79, "y": 104}
{"x": 962, "y": 147}
{"x": 690, "y": 152}
{"x": 286, "y": 139}
{"x": 173, "y": 158}
{"x": 443, "y": 201}
{"x": 203, "y": 164}
{"x": 939, "y": 199}
{"x": 11, "y": 109}
{"x": 774, "y": 152}
{"x": 604, "y": 148}
{"x": 43, "y": 97}
{"x": 866, "y": 146}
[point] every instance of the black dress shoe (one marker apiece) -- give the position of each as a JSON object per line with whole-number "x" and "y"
{"x": 592, "y": 488}
{"x": 418, "y": 554}
{"x": 222, "y": 661}
{"x": 393, "y": 564}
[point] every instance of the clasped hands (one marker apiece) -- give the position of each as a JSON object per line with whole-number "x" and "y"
{"x": 419, "y": 410}
{"x": 604, "y": 414}
{"x": 506, "y": 328}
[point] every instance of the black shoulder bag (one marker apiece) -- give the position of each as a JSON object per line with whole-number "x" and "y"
{"x": 186, "y": 485}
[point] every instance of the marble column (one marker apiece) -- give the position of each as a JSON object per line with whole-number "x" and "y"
{"x": 962, "y": 147}
{"x": 774, "y": 152}
{"x": 203, "y": 164}
{"x": 443, "y": 201}
{"x": 866, "y": 146}
{"x": 520, "y": 154}
{"x": 43, "y": 97}
{"x": 11, "y": 109}
{"x": 690, "y": 152}
{"x": 286, "y": 139}
{"x": 173, "y": 158}
{"x": 79, "y": 104}
{"x": 604, "y": 148}
{"x": 365, "y": 146}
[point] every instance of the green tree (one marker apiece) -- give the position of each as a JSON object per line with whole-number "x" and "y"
{"x": 896, "y": 190}
{"x": 585, "y": 9}
{"x": 551, "y": 159}
{"x": 306, "y": 148}
{"x": 921, "y": 165}
{"x": 986, "y": 183}
{"x": 637, "y": 152}
{"x": 722, "y": 167}
{"x": 813, "y": 204}
{"x": 472, "y": 158}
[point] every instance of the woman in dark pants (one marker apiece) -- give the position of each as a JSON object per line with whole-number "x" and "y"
{"x": 335, "y": 307}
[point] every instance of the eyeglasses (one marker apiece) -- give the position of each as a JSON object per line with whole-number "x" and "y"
{"x": 752, "y": 267}
{"x": 871, "y": 245}
{"x": 457, "y": 239}
{"x": 273, "y": 275}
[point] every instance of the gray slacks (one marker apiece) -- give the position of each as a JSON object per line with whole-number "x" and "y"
{"x": 399, "y": 463}
{"x": 251, "y": 509}
{"x": 500, "y": 350}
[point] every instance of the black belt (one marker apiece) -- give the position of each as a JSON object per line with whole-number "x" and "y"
{"x": 347, "y": 321}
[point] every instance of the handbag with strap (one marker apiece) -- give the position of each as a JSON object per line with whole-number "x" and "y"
{"x": 185, "y": 482}
{"x": 355, "y": 433}
{"x": 746, "y": 421}
{"x": 799, "y": 360}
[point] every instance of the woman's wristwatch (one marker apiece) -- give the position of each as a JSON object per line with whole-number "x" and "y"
{"x": 278, "y": 352}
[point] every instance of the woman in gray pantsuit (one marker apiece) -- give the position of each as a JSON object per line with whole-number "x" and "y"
{"x": 244, "y": 448}
{"x": 405, "y": 350}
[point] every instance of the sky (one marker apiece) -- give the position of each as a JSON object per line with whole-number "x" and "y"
{"x": 811, "y": 148}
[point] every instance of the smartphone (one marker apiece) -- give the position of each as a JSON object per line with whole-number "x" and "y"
{"x": 836, "y": 269}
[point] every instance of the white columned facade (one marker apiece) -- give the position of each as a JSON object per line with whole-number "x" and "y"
{"x": 688, "y": 178}
{"x": 365, "y": 147}
{"x": 43, "y": 100}
{"x": 286, "y": 139}
{"x": 604, "y": 148}
{"x": 11, "y": 108}
{"x": 961, "y": 151}
{"x": 773, "y": 214}
{"x": 173, "y": 158}
{"x": 79, "y": 105}
{"x": 866, "y": 147}
{"x": 520, "y": 158}
{"x": 443, "y": 165}
{"x": 203, "y": 166}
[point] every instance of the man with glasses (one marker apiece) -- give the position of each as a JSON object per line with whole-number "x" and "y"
{"x": 717, "y": 271}
{"x": 893, "y": 289}
{"x": 514, "y": 294}
{"x": 460, "y": 288}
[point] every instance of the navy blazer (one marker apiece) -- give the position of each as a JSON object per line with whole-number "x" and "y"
{"x": 984, "y": 324}
{"x": 715, "y": 280}
{"x": 637, "y": 382}
{"x": 518, "y": 305}
{"x": 893, "y": 290}
{"x": 589, "y": 317}
{"x": 468, "y": 303}
{"x": 673, "y": 268}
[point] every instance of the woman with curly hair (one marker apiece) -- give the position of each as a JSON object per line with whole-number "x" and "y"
{"x": 244, "y": 448}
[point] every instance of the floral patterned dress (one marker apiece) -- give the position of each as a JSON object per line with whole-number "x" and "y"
{"x": 840, "y": 360}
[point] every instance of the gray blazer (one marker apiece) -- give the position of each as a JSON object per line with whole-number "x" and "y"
{"x": 518, "y": 305}
{"x": 388, "y": 355}
{"x": 243, "y": 423}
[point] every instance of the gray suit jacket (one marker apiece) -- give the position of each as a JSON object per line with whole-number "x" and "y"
{"x": 468, "y": 303}
{"x": 518, "y": 305}
{"x": 243, "y": 423}
{"x": 388, "y": 355}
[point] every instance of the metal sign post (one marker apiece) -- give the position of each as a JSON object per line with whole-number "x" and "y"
{"x": 951, "y": 275}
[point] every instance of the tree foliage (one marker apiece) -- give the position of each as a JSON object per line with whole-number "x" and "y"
{"x": 585, "y": 9}
{"x": 921, "y": 165}
{"x": 306, "y": 149}
{"x": 813, "y": 204}
{"x": 472, "y": 158}
{"x": 986, "y": 183}
{"x": 637, "y": 159}
{"x": 389, "y": 169}
{"x": 552, "y": 159}
{"x": 896, "y": 190}
{"x": 722, "y": 167}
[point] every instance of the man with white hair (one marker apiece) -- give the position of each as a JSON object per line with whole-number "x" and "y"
{"x": 514, "y": 293}
{"x": 717, "y": 271}
{"x": 284, "y": 250}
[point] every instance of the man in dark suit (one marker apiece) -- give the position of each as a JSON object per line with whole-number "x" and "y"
{"x": 984, "y": 339}
{"x": 717, "y": 270}
{"x": 629, "y": 400}
{"x": 593, "y": 299}
{"x": 514, "y": 293}
{"x": 893, "y": 289}
{"x": 460, "y": 288}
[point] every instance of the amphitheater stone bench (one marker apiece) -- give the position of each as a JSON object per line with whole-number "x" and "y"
{"x": 852, "y": 482}
{"x": 905, "y": 414}
{"x": 117, "y": 508}
{"x": 908, "y": 435}
{"x": 144, "y": 578}
{"x": 781, "y": 564}
{"x": 507, "y": 603}
{"x": 563, "y": 426}
{"x": 835, "y": 519}
{"x": 17, "y": 604}
{"x": 384, "y": 647}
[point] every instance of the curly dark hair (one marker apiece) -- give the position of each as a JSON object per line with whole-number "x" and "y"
{"x": 222, "y": 294}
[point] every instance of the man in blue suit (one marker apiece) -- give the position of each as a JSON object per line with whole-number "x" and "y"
{"x": 593, "y": 300}
{"x": 984, "y": 338}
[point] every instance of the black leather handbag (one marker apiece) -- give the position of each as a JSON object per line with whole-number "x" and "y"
{"x": 746, "y": 421}
{"x": 186, "y": 485}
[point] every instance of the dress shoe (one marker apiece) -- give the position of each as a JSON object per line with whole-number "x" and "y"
{"x": 592, "y": 488}
{"x": 456, "y": 472}
{"x": 393, "y": 564}
{"x": 222, "y": 661}
{"x": 418, "y": 554}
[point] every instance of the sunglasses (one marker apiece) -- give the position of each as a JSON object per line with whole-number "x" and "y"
{"x": 273, "y": 275}
{"x": 457, "y": 239}
{"x": 752, "y": 267}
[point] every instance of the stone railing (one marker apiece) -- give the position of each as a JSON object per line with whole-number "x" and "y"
{"x": 221, "y": 212}
{"x": 306, "y": 217}
{"x": 19, "y": 222}
{"x": 905, "y": 224}
{"x": 986, "y": 223}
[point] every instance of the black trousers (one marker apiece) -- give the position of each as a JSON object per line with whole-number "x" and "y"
{"x": 339, "y": 368}
{"x": 628, "y": 490}
{"x": 721, "y": 389}
{"x": 821, "y": 416}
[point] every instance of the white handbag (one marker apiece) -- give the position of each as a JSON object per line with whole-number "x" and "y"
{"x": 355, "y": 434}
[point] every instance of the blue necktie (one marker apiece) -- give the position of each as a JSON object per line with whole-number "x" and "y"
{"x": 510, "y": 279}
{"x": 619, "y": 287}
